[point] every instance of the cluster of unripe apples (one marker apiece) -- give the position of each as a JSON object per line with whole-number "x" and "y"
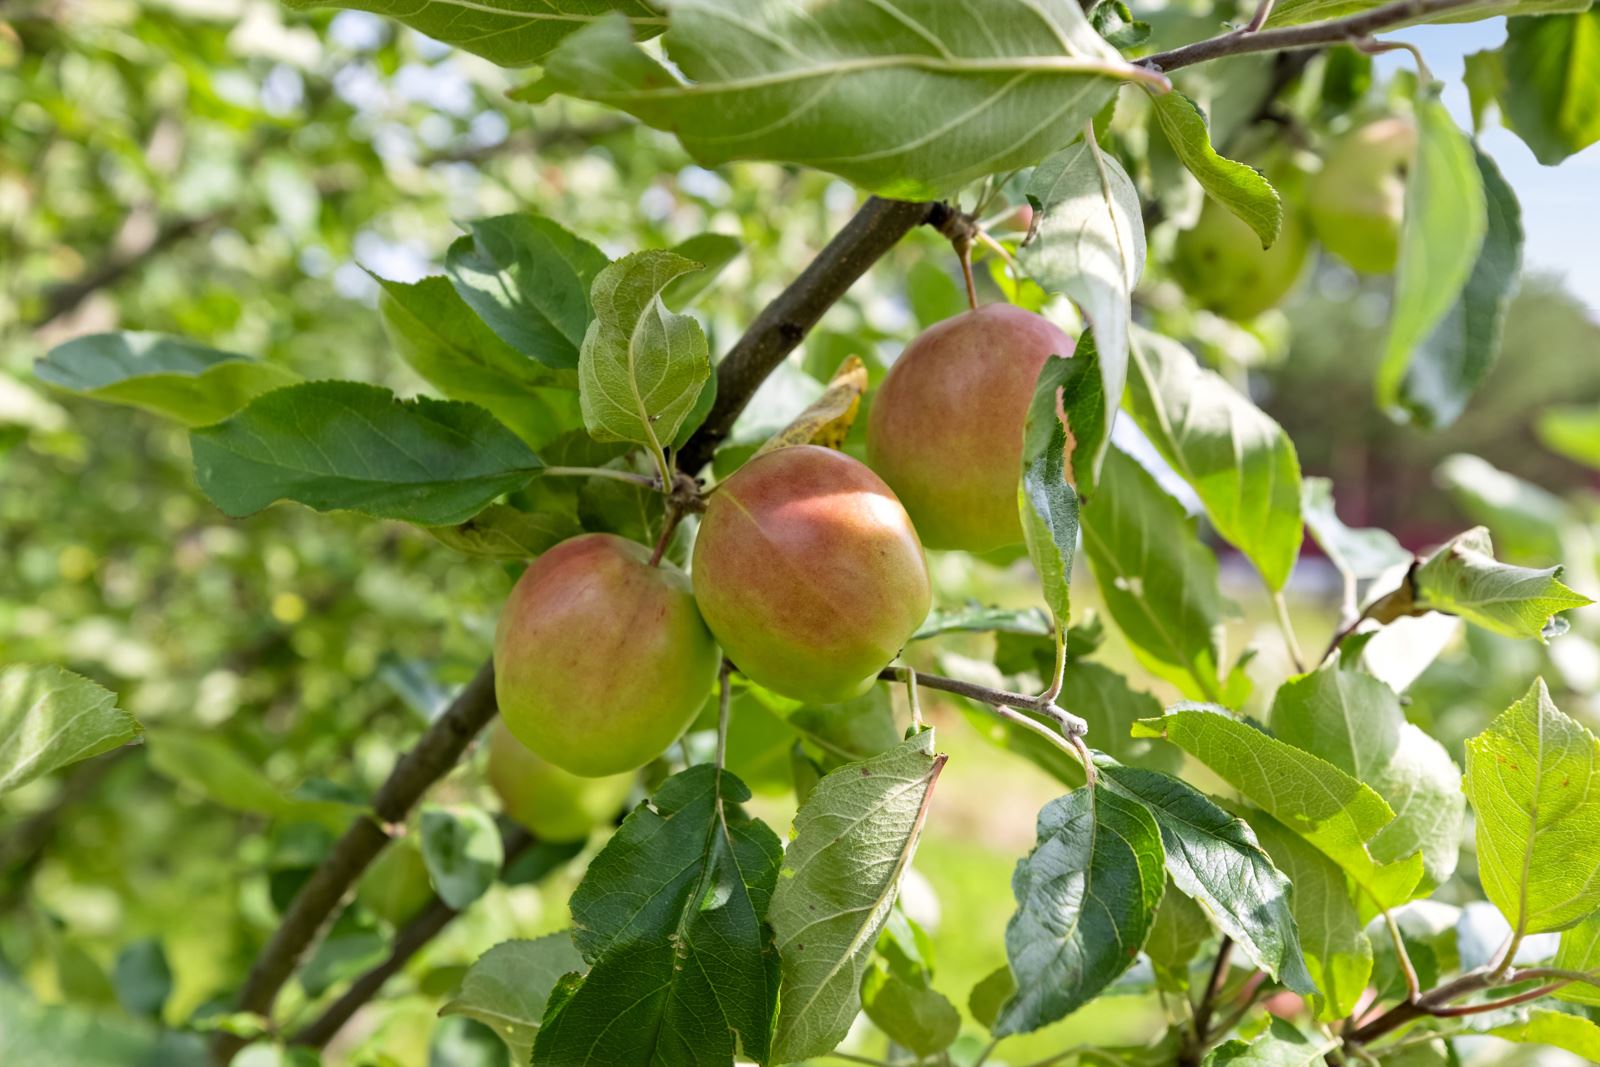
{"x": 1353, "y": 206}
{"x": 808, "y": 572}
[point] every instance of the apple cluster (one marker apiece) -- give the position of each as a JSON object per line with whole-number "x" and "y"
{"x": 1353, "y": 206}
{"x": 808, "y": 574}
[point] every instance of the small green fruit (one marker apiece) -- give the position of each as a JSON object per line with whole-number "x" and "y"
{"x": 1358, "y": 197}
{"x": 1220, "y": 262}
{"x": 396, "y": 886}
{"x": 555, "y": 804}
{"x": 601, "y": 660}
{"x": 946, "y": 426}
{"x": 809, "y": 572}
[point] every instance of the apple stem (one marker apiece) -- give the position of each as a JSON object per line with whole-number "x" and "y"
{"x": 724, "y": 705}
{"x": 674, "y": 514}
{"x": 963, "y": 247}
{"x": 909, "y": 676}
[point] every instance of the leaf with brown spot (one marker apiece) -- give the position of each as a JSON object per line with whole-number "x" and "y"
{"x": 828, "y": 419}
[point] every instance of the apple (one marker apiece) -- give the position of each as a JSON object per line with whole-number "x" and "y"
{"x": 1358, "y": 198}
{"x": 946, "y": 426}
{"x": 1221, "y": 265}
{"x": 556, "y": 805}
{"x": 809, "y": 573}
{"x": 601, "y": 660}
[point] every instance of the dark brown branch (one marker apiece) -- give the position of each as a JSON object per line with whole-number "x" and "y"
{"x": 780, "y": 326}
{"x": 1199, "y": 1038}
{"x": 1312, "y": 35}
{"x": 783, "y": 324}
{"x": 422, "y": 928}
{"x": 302, "y": 926}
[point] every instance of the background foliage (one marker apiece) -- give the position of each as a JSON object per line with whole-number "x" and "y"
{"x": 231, "y": 174}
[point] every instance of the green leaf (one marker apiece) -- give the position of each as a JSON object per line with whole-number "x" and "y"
{"x": 1215, "y": 858}
{"x": 508, "y": 987}
{"x": 980, "y": 91}
{"x": 1580, "y": 951}
{"x": 1330, "y": 809}
{"x": 1086, "y": 898}
{"x": 1463, "y": 578}
{"x": 1158, "y": 580}
{"x": 669, "y": 918}
{"x": 169, "y": 376}
{"x": 446, "y": 342}
{"x": 1283, "y": 1045}
{"x": 461, "y": 846}
{"x": 1045, "y": 496}
{"x": 915, "y": 1017}
{"x": 1551, "y": 97}
{"x": 853, "y": 840}
{"x": 1485, "y": 79}
{"x": 529, "y": 280}
{"x": 990, "y": 995}
{"x": 50, "y": 718}
{"x": 1238, "y": 460}
{"x": 1445, "y": 220}
{"x": 1359, "y": 553}
{"x": 1455, "y": 358}
{"x": 1105, "y": 701}
{"x": 1354, "y": 721}
{"x": 510, "y": 33}
{"x": 1180, "y": 929}
{"x": 1527, "y": 521}
{"x": 1240, "y": 188}
{"x": 208, "y": 764}
{"x": 1088, "y": 243}
{"x": 713, "y": 251}
{"x": 1557, "y": 1029}
{"x": 1532, "y": 778}
{"x": 642, "y": 366}
{"x": 984, "y": 618}
{"x": 1298, "y": 12}
{"x": 142, "y": 977}
{"x": 351, "y": 447}
{"x": 502, "y": 532}
{"x": 1572, "y": 431}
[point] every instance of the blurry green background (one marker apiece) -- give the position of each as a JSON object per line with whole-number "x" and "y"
{"x": 228, "y": 172}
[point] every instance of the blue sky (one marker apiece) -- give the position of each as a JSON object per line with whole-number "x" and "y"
{"x": 1561, "y": 204}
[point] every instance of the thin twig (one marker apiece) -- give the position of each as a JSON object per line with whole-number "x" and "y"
{"x": 1250, "y": 993}
{"x": 1280, "y": 607}
{"x": 1312, "y": 35}
{"x": 1070, "y": 723}
{"x": 1495, "y": 1005}
{"x": 417, "y": 932}
{"x": 1208, "y": 1001}
{"x": 1413, "y": 985}
{"x": 1259, "y": 19}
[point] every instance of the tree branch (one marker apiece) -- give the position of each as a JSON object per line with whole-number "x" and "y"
{"x": 423, "y": 927}
{"x": 302, "y": 926}
{"x": 876, "y": 227}
{"x": 784, "y": 323}
{"x": 1313, "y": 35}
